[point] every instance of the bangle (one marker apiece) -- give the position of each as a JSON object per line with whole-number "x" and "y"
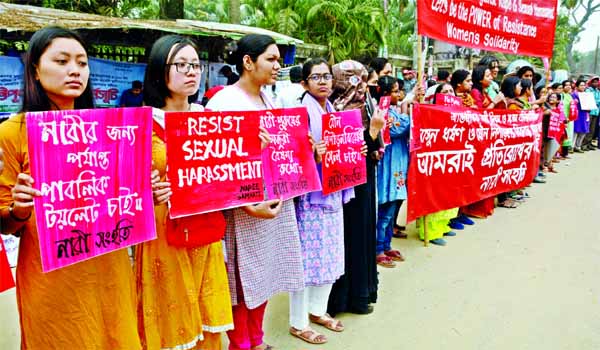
{"x": 12, "y": 215}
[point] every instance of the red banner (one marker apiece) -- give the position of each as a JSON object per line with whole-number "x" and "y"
{"x": 556, "y": 128}
{"x": 343, "y": 164}
{"x": 214, "y": 161}
{"x": 93, "y": 169}
{"x": 288, "y": 163}
{"x": 523, "y": 27}
{"x": 6, "y": 277}
{"x": 465, "y": 155}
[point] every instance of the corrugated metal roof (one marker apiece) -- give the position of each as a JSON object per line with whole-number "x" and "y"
{"x": 31, "y": 18}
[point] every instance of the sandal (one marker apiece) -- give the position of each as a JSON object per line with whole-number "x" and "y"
{"x": 508, "y": 203}
{"x": 328, "y": 322}
{"x": 399, "y": 232}
{"x": 308, "y": 335}
{"x": 385, "y": 261}
{"x": 263, "y": 346}
{"x": 394, "y": 255}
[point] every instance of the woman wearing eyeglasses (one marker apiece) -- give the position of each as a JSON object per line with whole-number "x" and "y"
{"x": 183, "y": 293}
{"x": 320, "y": 221}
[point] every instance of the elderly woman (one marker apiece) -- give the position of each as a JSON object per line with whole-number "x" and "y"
{"x": 357, "y": 288}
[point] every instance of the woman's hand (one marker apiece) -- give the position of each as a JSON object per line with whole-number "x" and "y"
{"x": 377, "y": 123}
{"x": 265, "y": 210}
{"x": 499, "y": 98}
{"x": 22, "y": 195}
{"x": 264, "y": 137}
{"x": 364, "y": 149}
{"x": 319, "y": 148}
{"x": 161, "y": 191}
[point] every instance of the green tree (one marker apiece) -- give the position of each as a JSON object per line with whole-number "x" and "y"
{"x": 579, "y": 13}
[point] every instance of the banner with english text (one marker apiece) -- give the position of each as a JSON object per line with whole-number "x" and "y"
{"x": 289, "y": 165}
{"x": 524, "y": 27}
{"x": 93, "y": 169}
{"x": 460, "y": 155}
{"x": 214, "y": 161}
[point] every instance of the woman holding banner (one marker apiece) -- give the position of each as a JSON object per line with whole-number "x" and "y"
{"x": 567, "y": 102}
{"x": 88, "y": 305}
{"x": 392, "y": 171}
{"x": 357, "y": 288}
{"x": 462, "y": 83}
{"x": 182, "y": 286}
{"x": 320, "y": 221}
{"x": 582, "y": 123}
{"x": 263, "y": 247}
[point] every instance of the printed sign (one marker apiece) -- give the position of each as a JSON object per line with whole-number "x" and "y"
{"x": 556, "y": 128}
{"x": 214, "y": 161}
{"x": 524, "y": 27}
{"x": 467, "y": 155}
{"x": 288, "y": 162}
{"x": 343, "y": 165}
{"x": 11, "y": 84}
{"x": 587, "y": 101}
{"x": 93, "y": 169}
{"x": 447, "y": 100}
{"x": 384, "y": 106}
{"x": 110, "y": 79}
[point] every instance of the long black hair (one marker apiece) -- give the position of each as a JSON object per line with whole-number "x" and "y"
{"x": 308, "y": 66}
{"x": 478, "y": 76}
{"x": 35, "y": 98}
{"x": 458, "y": 77}
{"x": 508, "y": 86}
{"x": 386, "y": 85}
{"x": 252, "y": 45}
{"x": 157, "y": 70}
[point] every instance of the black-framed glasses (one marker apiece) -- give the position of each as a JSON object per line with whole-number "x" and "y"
{"x": 318, "y": 77}
{"x": 184, "y": 67}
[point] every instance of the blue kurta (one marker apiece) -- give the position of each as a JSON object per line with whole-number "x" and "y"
{"x": 393, "y": 167}
{"x": 582, "y": 123}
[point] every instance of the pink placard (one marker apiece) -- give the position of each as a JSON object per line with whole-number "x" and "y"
{"x": 93, "y": 169}
{"x": 214, "y": 161}
{"x": 343, "y": 164}
{"x": 447, "y": 100}
{"x": 288, "y": 162}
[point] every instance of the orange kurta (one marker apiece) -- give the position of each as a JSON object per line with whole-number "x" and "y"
{"x": 88, "y": 305}
{"x": 183, "y": 292}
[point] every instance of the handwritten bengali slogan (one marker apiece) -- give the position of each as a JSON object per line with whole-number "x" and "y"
{"x": 466, "y": 155}
{"x": 93, "y": 169}
{"x": 6, "y": 277}
{"x": 523, "y": 27}
{"x": 343, "y": 165}
{"x": 214, "y": 161}
{"x": 288, "y": 162}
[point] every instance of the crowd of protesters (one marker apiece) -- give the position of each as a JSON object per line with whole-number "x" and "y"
{"x": 322, "y": 249}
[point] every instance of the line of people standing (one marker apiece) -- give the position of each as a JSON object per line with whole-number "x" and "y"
{"x": 322, "y": 249}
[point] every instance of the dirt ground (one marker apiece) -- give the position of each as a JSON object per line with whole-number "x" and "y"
{"x": 526, "y": 278}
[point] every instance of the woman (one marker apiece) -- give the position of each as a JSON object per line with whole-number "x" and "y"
{"x": 88, "y": 305}
{"x": 462, "y": 84}
{"x": 183, "y": 292}
{"x": 582, "y": 123}
{"x": 357, "y": 288}
{"x": 482, "y": 80}
{"x": 491, "y": 62}
{"x": 567, "y": 99}
{"x": 263, "y": 249}
{"x": 439, "y": 223}
{"x": 392, "y": 170}
{"x": 551, "y": 145}
{"x": 320, "y": 221}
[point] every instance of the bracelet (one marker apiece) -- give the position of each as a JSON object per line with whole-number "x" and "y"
{"x": 12, "y": 215}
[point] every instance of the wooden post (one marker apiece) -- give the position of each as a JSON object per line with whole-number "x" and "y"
{"x": 419, "y": 85}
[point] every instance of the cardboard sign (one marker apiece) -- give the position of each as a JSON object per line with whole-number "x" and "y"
{"x": 467, "y": 155}
{"x": 214, "y": 161}
{"x": 343, "y": 165}
{"x": 587, "y": 101}
{"x": 289, "y": 165}
{"x": 93, "y": 169}
{"x": 447, "y": 100}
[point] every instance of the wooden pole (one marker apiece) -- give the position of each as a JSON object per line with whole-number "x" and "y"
{"x": 419, "y": 84}
{"x": 596, "y": 55}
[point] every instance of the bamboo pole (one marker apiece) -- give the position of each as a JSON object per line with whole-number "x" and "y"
{"x": 419, "y": 84}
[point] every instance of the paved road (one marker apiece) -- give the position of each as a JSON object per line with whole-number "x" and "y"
{"x": 526, "y": 278}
